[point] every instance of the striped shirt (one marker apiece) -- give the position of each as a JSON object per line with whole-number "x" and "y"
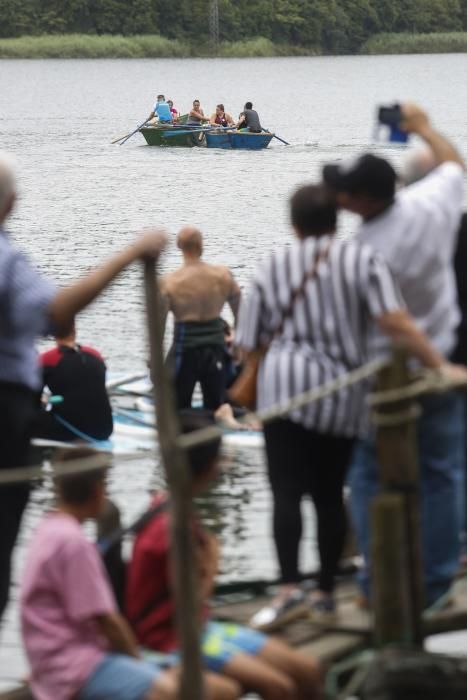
{"x": 24, "y": 299}
{"x": 325, "y": 336}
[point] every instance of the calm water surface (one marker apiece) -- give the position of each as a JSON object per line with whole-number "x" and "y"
{"x": 82, "y": 198}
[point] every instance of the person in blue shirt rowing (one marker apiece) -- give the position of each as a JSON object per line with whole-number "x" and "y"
{"x": 162, "y": 111}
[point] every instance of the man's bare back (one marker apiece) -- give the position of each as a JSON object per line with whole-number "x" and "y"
{"x": 197, "y": 291}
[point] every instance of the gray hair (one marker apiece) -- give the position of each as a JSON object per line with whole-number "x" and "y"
{"x": 7, "y": 179}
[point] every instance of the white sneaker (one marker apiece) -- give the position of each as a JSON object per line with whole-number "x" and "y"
{"x": 273, "y": 617}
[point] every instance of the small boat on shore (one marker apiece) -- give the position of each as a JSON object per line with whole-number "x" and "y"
{"x": 238, "y": 140}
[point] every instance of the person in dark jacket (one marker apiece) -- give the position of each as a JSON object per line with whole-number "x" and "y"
{"x": 77, "y": 374}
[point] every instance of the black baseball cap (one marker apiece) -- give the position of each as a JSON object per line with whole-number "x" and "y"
{"x": 367, "y": 174}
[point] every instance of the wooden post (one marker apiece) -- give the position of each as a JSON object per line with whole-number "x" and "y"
{"x": 179, "y": 482}
{"x": 395, "y": 524}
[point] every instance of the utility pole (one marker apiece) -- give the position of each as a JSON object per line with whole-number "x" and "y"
{"x": 214, "y": 26}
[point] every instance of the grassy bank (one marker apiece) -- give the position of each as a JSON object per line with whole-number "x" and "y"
{"x": 144, "y": 46}
{"x": 449, "y": 42}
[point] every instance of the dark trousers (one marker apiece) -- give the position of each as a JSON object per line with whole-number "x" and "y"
{"x": 18, "y": 407}
{"x": 303, "y": 462}
{"x": 205, "y": 365}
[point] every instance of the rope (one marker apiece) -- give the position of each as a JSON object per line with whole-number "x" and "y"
{"x": 431, "y": 381}
{"x": 357, "y": 375}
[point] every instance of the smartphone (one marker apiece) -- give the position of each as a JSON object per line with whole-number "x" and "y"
{"x": 390, "y": 116}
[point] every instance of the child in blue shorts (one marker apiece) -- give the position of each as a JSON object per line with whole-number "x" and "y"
{"x": 266, "y": 666}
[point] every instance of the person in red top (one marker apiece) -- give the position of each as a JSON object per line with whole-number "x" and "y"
{"x": 76, "y": 373}
{"x": 260, "y": 664}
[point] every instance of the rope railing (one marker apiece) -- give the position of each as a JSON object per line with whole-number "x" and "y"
{"x": 299, "y": 401}
{"x": 429, "y": 382}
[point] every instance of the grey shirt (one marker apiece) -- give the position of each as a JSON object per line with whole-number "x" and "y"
{"x": 251, "y": 120}
{"x": 24, "y": 300}
{"x": 417, "y": 236}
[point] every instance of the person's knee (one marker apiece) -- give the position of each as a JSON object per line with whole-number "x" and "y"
{"x": 221, "y": 688}
{"x": 165, "y": 687}
{"x": 281, "y": 688}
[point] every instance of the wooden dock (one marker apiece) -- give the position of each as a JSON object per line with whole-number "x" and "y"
{"x": 351, "y": 632}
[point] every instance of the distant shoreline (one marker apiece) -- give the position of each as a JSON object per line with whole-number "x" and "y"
{"x": 154, "y": 46}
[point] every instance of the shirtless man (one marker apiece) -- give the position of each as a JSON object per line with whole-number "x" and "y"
{"x": 196, "y": 294}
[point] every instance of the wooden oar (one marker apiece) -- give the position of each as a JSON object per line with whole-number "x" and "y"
{"x": 129, "y": 379}
{"x": 277, "y": 137}
{"x": 128, "y": 136}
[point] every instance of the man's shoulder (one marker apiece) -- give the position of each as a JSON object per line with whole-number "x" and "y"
{"x": 50, "y": 358}
{"x": 92, "y": 351}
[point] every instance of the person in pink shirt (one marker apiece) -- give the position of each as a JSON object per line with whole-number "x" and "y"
{"x": 79, "y": 647}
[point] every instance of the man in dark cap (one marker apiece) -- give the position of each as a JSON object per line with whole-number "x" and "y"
{"x": 416, "y": 229}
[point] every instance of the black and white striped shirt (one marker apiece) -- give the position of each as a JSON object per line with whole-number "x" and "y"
{"x": 326, "y": 334}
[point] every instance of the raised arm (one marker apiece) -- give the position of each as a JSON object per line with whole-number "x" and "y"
{"x": 416, "y": 121}
{"x": 73, "y": 299}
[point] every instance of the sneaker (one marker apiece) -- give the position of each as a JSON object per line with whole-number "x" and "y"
{"x": 322, "y": 610}
{"x": 274, "y": 616}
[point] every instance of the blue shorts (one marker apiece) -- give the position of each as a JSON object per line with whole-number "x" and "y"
{"x": 119, "y": 677}
{"x": 221, "y": 641}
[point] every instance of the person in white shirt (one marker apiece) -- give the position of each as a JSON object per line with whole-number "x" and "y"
{"x": 416, "y": 230}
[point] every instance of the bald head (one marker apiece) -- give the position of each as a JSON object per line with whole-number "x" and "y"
{"x": 190, "y": 241}
{"x": 7, "y": 186}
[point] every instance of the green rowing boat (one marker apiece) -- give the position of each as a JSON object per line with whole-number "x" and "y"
{"x": 168, "y": 135}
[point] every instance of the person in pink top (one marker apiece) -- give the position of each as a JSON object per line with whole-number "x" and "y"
{"x": 79, "y": 647}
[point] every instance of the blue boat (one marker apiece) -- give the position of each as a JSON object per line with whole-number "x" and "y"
{"x": 245, "y": 140}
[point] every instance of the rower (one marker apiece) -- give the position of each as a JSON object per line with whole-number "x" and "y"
{"x": 221, "y": 118}
{"x": 196, "y": 115}
{"x": 249, "y": 119}
{"x": 76, "y": 373}
{"x": 162, "y": 111}
{"x": 173, "y": 111}
{"x": 196, "y": 294}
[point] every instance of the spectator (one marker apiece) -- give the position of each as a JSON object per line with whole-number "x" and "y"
{"x": 416, "y": 231}
{"x": 309, "y": 307}
{"x": 31, "y": 307}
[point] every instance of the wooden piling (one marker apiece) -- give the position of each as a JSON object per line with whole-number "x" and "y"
{"x": 179, "y": 483}
{"x": 396, "y": 529}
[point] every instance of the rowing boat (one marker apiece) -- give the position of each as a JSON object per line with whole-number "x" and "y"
{"x": 238, "y": 140}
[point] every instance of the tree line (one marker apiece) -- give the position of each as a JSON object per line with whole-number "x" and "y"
{"x": 330, "y": 26}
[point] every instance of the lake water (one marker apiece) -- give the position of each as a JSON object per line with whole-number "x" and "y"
{"x": 82, "y": 198}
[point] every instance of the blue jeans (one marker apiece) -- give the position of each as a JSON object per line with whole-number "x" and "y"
{"x": 441, "y": 462}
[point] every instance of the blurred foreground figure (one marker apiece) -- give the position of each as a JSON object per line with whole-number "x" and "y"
{"x": 259, "y": 663}
{"x": 30, "y": 307}
{"x": 312, "y": 308}
{"x": 416, "y": 231}
{"x": 78, "y": 645}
